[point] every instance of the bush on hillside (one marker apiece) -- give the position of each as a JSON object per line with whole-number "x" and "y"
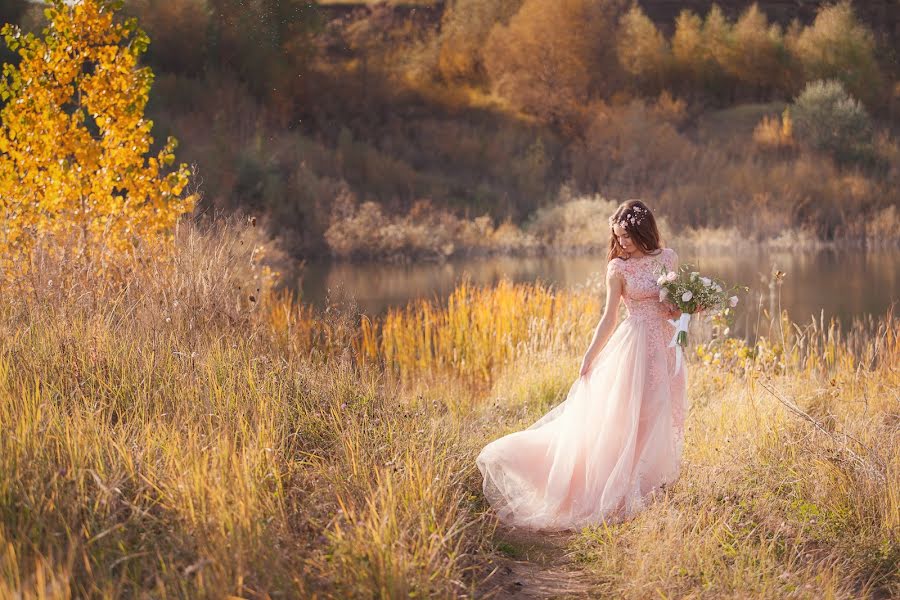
{"x": 573, "y": 223}
{"x": 365, "y": 230}
{"x": 775, "y": 132}
{"x": 828, "y": 119}
{"x": 630, "y": 149}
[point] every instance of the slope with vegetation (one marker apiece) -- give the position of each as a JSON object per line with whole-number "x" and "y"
{"x": 287, "y": 106}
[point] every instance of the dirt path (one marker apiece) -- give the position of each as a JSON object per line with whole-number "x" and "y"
{"x": 535, "y": 565}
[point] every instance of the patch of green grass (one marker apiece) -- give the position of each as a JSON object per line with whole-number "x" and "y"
{"x": 510, "y": 550}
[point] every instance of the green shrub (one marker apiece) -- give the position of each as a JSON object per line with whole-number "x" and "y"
{"x": 828, "y": 119}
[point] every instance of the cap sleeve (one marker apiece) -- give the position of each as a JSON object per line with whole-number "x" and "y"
{"x": 615, "y": 267}
{"x": 671, "y": 259}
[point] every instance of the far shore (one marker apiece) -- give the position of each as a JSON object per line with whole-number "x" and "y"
{"x": 707, "y": 240}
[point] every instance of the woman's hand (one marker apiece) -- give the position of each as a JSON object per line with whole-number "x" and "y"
{"x": 673, "y": 310}
{"x": 586, "y": 364}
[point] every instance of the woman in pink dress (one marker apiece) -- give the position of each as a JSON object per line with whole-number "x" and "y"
{"x": 617, "y": 438}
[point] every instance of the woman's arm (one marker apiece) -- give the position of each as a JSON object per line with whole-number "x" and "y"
{"x": 607, "y": 323}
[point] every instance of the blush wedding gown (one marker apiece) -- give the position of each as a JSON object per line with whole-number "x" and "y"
{"x": 616, "y": 440}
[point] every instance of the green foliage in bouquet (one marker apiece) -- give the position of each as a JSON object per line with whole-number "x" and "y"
{"x": 690, "y": 292}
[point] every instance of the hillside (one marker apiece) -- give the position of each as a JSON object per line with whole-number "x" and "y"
{"x": 412, "y": 130}
{"x": 883, "y": 16}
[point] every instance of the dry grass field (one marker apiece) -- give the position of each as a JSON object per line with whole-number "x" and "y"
{"x": 174, "y": 438}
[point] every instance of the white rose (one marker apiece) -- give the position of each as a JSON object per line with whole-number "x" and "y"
{"x": 706, "y": 281}
{"x": 687, "y": 296}
{"x": 663, "y": 294}
{"x": 661, "y": 280}
{"x": 717, "y": 287}
{"x": 671, "y": 276}
{"x": 733, "y": 301}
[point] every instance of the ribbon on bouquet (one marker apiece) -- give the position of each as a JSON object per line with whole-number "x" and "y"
{"x": 681, "y": 325}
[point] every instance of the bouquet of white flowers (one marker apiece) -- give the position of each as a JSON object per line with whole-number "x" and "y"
{"x": 691, "y": 293}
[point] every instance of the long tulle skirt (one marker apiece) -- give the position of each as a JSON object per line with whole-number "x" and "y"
{"x": 604, "y": 451}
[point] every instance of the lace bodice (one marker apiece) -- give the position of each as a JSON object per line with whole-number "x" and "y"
{"x": 641, "y": 292}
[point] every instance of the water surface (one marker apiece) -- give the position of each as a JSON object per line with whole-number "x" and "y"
{"x": 841, "y": 283}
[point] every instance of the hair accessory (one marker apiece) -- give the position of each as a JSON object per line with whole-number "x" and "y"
{"x": 632, "y": 217}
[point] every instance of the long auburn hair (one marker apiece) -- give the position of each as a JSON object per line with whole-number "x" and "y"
{"x": 638, "y": 221}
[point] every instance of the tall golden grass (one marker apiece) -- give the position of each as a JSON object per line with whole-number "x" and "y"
{"x": 477, "y": 331}
{"x": 171, "y": 437}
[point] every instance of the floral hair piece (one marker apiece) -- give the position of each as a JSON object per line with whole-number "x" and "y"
{"x": 631, "y": 218}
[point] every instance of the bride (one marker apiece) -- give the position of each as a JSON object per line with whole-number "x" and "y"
{"x": 616, "y": 439}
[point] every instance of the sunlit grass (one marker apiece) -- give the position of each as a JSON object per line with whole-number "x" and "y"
{"x": 159, "y": 440}
{"x": 479, "y": 329}
{"x": 174, "y": 438}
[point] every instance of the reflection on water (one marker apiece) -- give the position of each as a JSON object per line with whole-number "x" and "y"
{"x": 841, "y": 283}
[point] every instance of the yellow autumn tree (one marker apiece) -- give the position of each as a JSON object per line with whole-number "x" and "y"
{"x": 688, "y": 51}
{"x": 75, "y": 161}
{"x": 757, "y": 57}
{"x": 551, "y": 55}
{"x": 839, "y": 46}
{"x": 465, "y": 26}
{"x": 642, "y": 49}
